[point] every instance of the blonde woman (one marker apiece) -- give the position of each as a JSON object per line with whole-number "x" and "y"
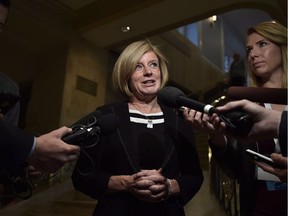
{"x": 149, "y": 166}
{"x": 260, "y": 192}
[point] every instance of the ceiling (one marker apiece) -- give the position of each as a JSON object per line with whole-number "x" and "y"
{"x": 96, "y": 18}
{"x": 100, "y": 21}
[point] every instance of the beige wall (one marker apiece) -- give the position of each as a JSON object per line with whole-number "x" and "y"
{"x": 55, "y": 101}
{"x": 44, "y": 109}
{"x": 83, "y": 60}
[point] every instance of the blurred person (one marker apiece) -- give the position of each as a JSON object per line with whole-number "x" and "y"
{"x": 260, "y": 193}
{"x": 46, "y": 153}
{"x": 10, "y": 86}
{"x": 6, "y": 83}
{"x": 237, "y": 73}
{"x": 149, "y": 166}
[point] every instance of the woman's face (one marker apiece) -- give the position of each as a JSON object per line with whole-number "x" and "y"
{"x": 264, "y": 57}
{"x": 146, "y": 78}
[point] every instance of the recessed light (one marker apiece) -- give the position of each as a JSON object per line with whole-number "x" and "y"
{"x": 125, "y": 29}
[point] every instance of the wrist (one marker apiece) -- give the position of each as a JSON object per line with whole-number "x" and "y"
{"x": 119, "y": 183}
{"x": 170, "y": 187}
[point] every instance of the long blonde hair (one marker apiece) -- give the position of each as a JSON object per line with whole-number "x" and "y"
{"x": 277, "y": 34}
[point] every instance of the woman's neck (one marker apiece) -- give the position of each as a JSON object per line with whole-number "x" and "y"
{"x": 145, "y": 106}
{"x": 274, "y": 81}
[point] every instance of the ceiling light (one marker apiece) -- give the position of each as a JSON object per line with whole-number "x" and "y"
{"x": 125, "y": 29}
{"x": 212, "y": 20}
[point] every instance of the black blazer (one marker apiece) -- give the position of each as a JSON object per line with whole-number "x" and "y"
{"x": 115, "y": 155}
{"x": 15, "y": 146}
{"x": 283, "y": 133}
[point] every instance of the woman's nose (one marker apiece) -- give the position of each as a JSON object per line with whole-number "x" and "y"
{"x": 147, "y": 70}
{"x": 254, "y": 52}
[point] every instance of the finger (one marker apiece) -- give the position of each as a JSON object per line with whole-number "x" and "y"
{"x": 62, "y": 131}
{"x": 73, "y": 149}
{"x": 143, "y": 184}
{"x": 72, "y": 157}
{"x": 157, "y": 188}
{"x": 265, "y": 167}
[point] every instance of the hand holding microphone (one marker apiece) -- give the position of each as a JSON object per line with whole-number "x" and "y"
{"x": 265, "y": 122}
{"x": 87, "y": 130}
{"x": 237, "y": 122}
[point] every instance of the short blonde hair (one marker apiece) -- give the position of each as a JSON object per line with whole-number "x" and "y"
{"x": 277, "y": 34}
{"x": 126, "y": 65}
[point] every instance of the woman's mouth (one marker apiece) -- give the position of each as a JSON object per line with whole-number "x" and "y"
{"x": 149, "y": 82}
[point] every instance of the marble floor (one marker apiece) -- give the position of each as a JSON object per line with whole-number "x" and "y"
{"x": 205, "y": 202}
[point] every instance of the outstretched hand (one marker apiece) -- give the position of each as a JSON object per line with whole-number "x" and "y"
{"x": 51, "y": 153}
{"x": 265, "y": 121}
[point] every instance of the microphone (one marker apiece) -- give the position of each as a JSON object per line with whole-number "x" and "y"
{"x": 107, "y": 124}
{"x": 237, "y": 122}
{"x": 258, "y": 94}
{"x": 86, "y": 131}
{"x": 173, "y": 97}
{"x": 88, "y": 118}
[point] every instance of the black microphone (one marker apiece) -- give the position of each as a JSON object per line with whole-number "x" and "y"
{"x": 237, "y": 121}
{"x": 107, "y": 124}
{"x": 87, "y": 130}
{"x": 258, "y": 94}
{"x": 173, "y": 97}
{"x": 88, "y": 118}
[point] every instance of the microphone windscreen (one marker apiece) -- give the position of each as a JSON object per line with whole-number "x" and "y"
{"x": 168, "y": 96}
{"x": 258, "y": 94}
{"x": 86, "y": 119}
{"x": 108, "y": 123}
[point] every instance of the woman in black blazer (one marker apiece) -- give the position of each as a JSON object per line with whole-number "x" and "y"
{"x": 149, "y": 165}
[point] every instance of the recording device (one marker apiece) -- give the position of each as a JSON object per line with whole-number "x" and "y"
{"x": 87, "y": 130}
{"x": 174, "y": 97}
{"x": 7, "y": 101}
{"x": 238, "y": 123}
{"x": 258, "y": 94}
{"x": 262, "y": 158}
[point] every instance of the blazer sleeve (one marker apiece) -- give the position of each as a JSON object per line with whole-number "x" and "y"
{"x": 90, "y": 175}
{"x": 191, "y": 176}
{"x": 15, "y": 146}
{"x": 283, "y": 133}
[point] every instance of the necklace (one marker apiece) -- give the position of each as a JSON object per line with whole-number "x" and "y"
{"x": 149, "y": 120}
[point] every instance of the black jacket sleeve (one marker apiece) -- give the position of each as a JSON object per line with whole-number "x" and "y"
{"x": 15, "y": 146}
{"x": 283, "y": 133}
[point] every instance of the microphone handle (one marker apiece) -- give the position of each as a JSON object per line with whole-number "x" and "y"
{"x": 258, "y": 94}
{"x": 193, "y": 104}
{"x": 76, "y": 136}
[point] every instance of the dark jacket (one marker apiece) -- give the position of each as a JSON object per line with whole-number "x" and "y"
{"x": 15, "y": 146}
{"x": 115, "y": 155}
{"x": 283, "y": 133}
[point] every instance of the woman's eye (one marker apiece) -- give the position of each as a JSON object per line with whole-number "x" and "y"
{"x": 248, "y": 51}
{"x": 139, "y": 67}
{"x": 262, "y": 44}
{"x": 154, "y": 65}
